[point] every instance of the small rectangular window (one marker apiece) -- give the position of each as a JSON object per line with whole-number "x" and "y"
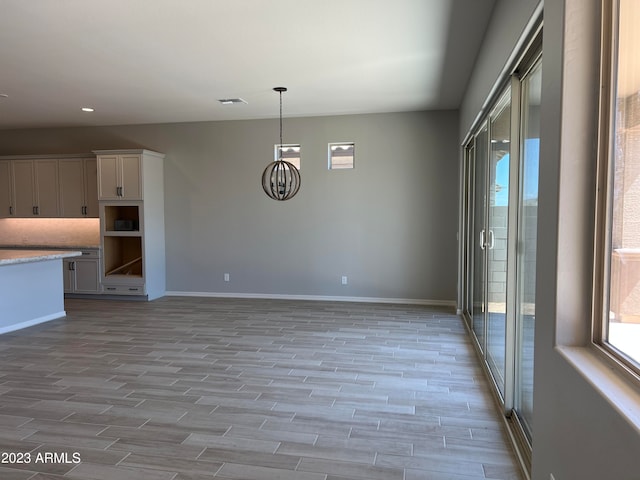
{"x": 341, "y": 155}
{"x": 290, "y": 153}
{"x": 618, "y": 328}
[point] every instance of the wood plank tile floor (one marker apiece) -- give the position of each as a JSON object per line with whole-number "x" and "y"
{"x": 200, "y": 388}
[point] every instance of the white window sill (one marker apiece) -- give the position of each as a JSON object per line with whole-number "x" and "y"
{"x": 622, "y": 396}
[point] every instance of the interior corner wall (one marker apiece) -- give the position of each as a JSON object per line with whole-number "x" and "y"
{"x": 389, "y": 225}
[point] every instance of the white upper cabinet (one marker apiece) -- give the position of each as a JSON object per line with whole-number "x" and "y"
{"x": 119, "y": 177}
{"x": 78, "y": 187}
{"x": 71, "y": 191}
{"x": 6, "y": 198}
{"x": 35, "y": 188}
{"x": 23, "y": 189}
{"x": 49, "y": 186}
{"x": 91, "y": 187}
{"x": 46, "y": 188}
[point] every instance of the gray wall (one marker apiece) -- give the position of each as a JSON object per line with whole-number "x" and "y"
{"x": 389, "y": 224}
{"x": 508, "y": 21}
{"x": 578, "y": 433}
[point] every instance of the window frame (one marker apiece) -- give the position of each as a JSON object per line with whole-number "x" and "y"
{"x": 330, "y": 156}
{"x": 624, "y": 364}
{"x": 276, "y": 153}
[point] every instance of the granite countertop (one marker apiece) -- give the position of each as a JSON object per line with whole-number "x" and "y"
{"x": 12, "y": 257}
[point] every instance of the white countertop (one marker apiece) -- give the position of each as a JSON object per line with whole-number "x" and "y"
{"x": 12, "y": 257}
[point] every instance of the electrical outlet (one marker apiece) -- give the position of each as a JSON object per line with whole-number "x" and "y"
{"x": 226, "y": 277}
{"x": 345, "y": 280}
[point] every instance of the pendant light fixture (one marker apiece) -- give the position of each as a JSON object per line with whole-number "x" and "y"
{"x": 281, "y": 179}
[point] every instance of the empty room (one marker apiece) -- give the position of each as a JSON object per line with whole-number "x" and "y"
{"x": 319, "y": 240}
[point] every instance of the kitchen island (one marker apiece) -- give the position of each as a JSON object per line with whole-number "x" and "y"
{"x": 31, "y": 287}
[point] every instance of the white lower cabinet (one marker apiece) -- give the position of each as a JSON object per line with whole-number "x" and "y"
{"x": 82, "y": 274}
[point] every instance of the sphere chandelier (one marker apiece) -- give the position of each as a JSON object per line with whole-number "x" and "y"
{"x": 281, "y": 179}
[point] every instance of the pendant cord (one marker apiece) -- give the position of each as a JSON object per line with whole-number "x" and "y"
{"x": 280, "y": 156}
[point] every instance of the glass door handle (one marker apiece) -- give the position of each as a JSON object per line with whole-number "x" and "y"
{"x": 482, "y": 240}
{"x": 492, "y": 240}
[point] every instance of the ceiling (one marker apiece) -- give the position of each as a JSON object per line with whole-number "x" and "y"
{"x": 160, "y": 61}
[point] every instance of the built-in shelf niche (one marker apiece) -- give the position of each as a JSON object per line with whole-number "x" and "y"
{"x": 122, "y": 218}
{"x": 122, "y": 256}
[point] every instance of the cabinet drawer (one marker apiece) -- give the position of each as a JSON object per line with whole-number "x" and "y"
{"x": 94, "y": 254}
{"x": 123, "y": 289}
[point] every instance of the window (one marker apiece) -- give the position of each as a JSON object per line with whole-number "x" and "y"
{"x": 290, "y": 153}
{"x": 617, "y": 324}
{"x": 341, "y": 155}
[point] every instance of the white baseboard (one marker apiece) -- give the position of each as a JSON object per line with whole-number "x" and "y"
{"x": 30, "y": 323}
{"x": 325, "y": 298}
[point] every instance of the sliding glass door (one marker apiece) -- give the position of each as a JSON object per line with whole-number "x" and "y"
{"x": 500, "y": 218}
{"x": 487, "y": 160}
{"x": 527, "y": 241}
{"x": 478, "y": 187}
{"x": 497, "y": 237}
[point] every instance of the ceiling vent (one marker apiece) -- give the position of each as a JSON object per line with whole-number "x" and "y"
{"x": 231, "y": 101}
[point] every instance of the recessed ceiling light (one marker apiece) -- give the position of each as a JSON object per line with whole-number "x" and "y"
{"x": 231, "y": 101}
{"x": 88, "y": 109}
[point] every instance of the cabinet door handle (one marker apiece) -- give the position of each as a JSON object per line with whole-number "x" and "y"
{"x": 72, "y": 265}
{"x": 10, "y": 210}
{"x": 35, "y": 210}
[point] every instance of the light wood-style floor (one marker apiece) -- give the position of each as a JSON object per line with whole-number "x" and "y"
{"x": 193, "y": 389}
